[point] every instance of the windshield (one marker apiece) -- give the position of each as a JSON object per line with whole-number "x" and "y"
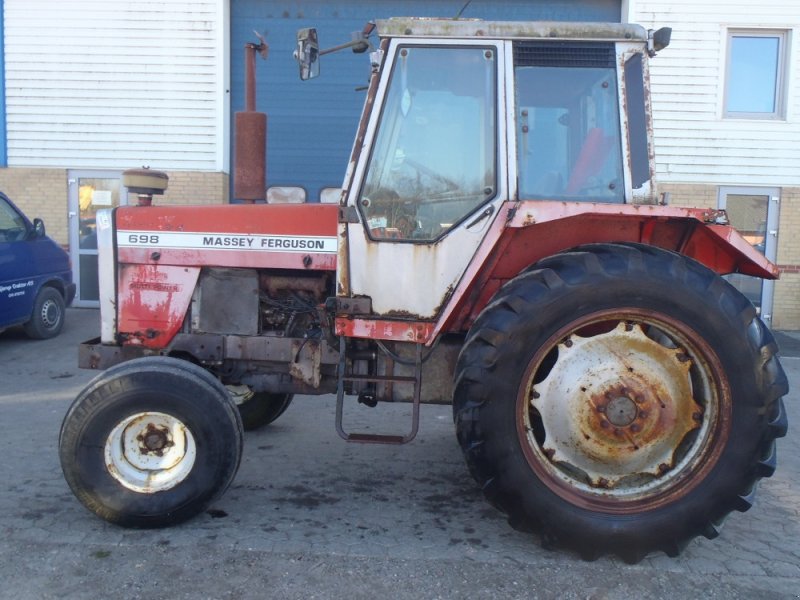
{"x": 568, "y": 133}
{"x": 433, "y": 161}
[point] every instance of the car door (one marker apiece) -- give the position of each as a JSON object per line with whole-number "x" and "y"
{"x": 17, "y": 285}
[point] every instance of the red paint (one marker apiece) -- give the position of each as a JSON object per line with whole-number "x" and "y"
{"x": 152, "y": 302}
{"x": 230, "y": 258}
{"x": 382, "y": 329}
{"x": 537, "y": 229}
{"x": 279, "y": 219}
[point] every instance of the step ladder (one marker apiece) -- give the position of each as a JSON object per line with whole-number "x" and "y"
{"x": 372, "y": 438}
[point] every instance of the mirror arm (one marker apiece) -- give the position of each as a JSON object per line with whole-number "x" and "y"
{"x": 358, "y": 44}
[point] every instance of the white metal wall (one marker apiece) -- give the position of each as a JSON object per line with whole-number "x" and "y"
{"x": 694, "y": 144}
{"x": 117, "y": 83}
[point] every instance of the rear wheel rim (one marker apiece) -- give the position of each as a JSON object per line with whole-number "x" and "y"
{"x": 150, "y": 452}
{"x": 623, "y": 410}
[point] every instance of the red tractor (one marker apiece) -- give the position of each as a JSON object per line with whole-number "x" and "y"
{"x": 499, "y": 245}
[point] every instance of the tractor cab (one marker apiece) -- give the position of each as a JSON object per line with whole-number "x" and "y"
{"x": 463, "y": 120}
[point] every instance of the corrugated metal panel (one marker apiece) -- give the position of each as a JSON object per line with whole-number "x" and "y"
{"x": 3, "y": 137}
{"x": 312, "y": 123}
{"x": 114, "y": 83}
{"x": 694, "y": 144}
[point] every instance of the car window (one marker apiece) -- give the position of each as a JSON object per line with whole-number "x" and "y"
{"x": 12, "y": 225}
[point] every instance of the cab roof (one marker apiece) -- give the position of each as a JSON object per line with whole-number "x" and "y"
{"x": 477, "y": 28}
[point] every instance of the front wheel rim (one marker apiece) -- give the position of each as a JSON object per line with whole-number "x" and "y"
{"x": 150, "y": 452}
{"x": 623, "y": 410}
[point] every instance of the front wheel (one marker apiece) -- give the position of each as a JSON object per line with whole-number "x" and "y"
{"x": 619, "y": 399}
{"x": 151, "y": 442}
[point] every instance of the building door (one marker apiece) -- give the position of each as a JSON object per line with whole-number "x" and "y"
{"x": 89, "y": 191}
{"x": 754, "y": 212}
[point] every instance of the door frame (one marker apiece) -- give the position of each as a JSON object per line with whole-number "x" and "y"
{"x": 771, "y": 234}
{"x": 73, "y": 223}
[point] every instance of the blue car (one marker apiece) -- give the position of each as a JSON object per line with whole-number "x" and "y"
{"x": 35, "y": 275}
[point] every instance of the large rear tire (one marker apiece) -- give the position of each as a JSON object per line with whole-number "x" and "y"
{"x": 619, "y": 399}
{"x": 151, "y": 442}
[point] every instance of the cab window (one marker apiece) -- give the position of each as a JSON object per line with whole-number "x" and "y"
{"x": 568, "y": 126}
{"x": 433, "y": 161}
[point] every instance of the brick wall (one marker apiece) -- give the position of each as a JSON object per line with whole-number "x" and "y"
{"x": 786, "y": 307}
{"x": 43, "y": 193}
{"x": 195, "y": 187}
{"x": 786, "y": 303}
{"x": 691, "y": 195}
{"x": 39, "y": 193}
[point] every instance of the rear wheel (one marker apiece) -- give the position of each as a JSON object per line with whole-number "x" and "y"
{"x": 258, "y": 409}
{"x": 151, "y": 442}
{"x": 619, "y": 399}
{"x": 47, "y": 317}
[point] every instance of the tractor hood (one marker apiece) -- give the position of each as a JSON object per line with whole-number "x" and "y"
{"x": 286, "y": 236}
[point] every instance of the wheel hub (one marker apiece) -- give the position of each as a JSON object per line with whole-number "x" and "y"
{"x": 615, "y": 408}
{"x": 150, "y": 452}
{"x": 154, "y": 440}
{"x": 621, "y": 411}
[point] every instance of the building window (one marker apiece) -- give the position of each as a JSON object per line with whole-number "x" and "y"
{"x": 755, "y": 74}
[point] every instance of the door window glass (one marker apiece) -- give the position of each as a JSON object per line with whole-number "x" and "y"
{"x": 748, "y": 214}
{"x": 433, "y": 161}
{"x": 568, "y": 128}
{"x": 94, "y": 194}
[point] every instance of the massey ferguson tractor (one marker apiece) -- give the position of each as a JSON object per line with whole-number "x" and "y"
{"x": 499, "y": 245}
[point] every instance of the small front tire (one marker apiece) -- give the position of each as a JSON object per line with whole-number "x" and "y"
{"x": 151, "y": 442}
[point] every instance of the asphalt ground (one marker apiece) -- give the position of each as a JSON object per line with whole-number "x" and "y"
{"x": 310, "y": 516}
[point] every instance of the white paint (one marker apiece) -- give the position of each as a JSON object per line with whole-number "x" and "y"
{"x": 693, "y": 142}
{"x": 226, "y": 241}
{"x": 408, "y": 277}
{"x": 115, "y": 84}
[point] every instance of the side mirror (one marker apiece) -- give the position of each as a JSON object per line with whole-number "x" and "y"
{"x": 307, "y": 53}
{"x": 658, "y": 40}
{"x": 38, "y": 228}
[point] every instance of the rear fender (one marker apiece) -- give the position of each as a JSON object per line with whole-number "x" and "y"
{"x": 535, "y": 230}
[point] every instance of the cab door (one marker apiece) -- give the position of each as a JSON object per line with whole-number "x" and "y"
{"x": 431, "y": 178}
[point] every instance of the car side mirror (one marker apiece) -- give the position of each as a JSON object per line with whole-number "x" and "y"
{"x": 307, "y": 53}
{"x": 38, "y": 228}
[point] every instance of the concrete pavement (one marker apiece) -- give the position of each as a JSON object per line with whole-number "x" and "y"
{"x": 310, "y": 516}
